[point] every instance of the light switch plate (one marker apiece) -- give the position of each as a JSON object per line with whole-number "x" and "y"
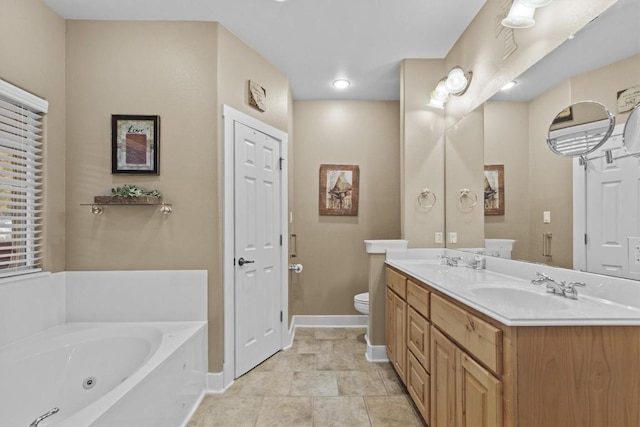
{"x": 546, "y": 217}
{"x": 453, "y": 237}
{"x": 439, "y": 237}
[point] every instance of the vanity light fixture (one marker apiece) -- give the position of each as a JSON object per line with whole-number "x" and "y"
{"x": 521, "y": 13}
{"x": 341, "y": 83}
{"x": 455, "y": 83}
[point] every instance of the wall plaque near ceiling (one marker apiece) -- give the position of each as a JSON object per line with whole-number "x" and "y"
{"x": 257, "y": 96}
{"x": 628, "y": 98}
{"x": 339, "y": 188}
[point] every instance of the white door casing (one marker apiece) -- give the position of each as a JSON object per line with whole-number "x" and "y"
{"x": 257, "y": 243}
{"x": 230, "y": 117}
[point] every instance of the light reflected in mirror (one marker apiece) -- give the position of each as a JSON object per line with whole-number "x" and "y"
{"x": 631, "y": 134}
{"x": 580, "y": 129}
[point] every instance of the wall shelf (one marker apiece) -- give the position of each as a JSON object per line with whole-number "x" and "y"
{"x": 98, "y": 208}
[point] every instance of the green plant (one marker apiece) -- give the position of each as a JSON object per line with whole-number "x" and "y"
{"x": 133, "y": 191}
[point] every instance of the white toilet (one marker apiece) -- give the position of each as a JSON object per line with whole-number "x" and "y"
{"x": 361, "y": 303}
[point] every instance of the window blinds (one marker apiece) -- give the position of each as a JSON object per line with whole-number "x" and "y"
{"x": 21, "y": 127}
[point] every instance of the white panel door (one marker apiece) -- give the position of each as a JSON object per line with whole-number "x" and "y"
{"x": 612, "y": 212}
{"x": 257, "y": 247}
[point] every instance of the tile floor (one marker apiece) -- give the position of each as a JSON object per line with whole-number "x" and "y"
{"x": 323, "y": 380}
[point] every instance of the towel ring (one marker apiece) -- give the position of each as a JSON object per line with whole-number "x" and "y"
{"x": 465, "y": 193}
{"x": 424, "y": 196}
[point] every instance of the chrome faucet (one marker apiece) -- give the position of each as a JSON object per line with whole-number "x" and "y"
{"x": 451, "y": 261}
{"x": 478, "y": 262}
{"x": 43, "y": 416}
{"x": 567, "y": 290}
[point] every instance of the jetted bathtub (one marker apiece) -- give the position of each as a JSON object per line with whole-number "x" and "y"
{"x": 104, "y": 374}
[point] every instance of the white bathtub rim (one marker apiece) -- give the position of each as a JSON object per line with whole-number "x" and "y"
{"x": 178, "y": 332}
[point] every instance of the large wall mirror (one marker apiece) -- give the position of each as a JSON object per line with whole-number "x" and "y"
{"x": 537, "y": 223}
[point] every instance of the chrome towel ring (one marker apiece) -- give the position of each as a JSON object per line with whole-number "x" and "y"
{"x": 424, "y": 197}
{"x": 466, "y": 194}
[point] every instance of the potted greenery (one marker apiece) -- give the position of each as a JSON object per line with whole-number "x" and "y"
{"x": 130, "y": 195}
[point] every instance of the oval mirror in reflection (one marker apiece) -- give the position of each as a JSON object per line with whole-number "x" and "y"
{"x": 580, "y": 129}
{"x": 631, "y": 134}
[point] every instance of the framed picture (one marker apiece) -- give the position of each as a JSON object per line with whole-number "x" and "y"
{"x": 565, "y": 115}
{"x": 494, "y": 189}
{"x": 339, "y": 185}
{"x": 135, "y": 144}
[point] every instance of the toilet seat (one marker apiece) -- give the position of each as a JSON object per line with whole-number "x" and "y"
{"x": 361, "y": 302}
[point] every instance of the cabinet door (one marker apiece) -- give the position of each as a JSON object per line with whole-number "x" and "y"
{"x": 443, "y": 380}
{"x": 418, "y": 385}
{"x": 400, "y": 338}
{"x": 418, "y": 336}
{"x": 478, "y": 394}
{"x": 389, "y": 328}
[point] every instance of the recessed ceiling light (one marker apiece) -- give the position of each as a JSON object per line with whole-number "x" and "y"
{"x": 341, "y": 83}
{"x": 571, "y": 37}
{"x": 509, "y": 85}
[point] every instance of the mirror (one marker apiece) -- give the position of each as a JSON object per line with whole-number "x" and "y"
{"x": 631, "y": 134}
{"x": 538, "y": 184}
{"x": 580, "y": 129}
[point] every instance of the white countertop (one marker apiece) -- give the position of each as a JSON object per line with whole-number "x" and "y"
{"x": 515, "y": 301}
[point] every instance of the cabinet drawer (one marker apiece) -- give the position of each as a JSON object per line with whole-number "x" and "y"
{"x": 418, "y": 330}
{"x": 397, "y": 282}
{"x": 418, "y": 298}
{"x": 480, "y": 338}
{"x": 419, "y": 386}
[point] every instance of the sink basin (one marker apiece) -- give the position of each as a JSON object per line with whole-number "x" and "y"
{"x": 520, "y": 298}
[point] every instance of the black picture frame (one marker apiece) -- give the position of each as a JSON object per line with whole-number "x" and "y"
{"x": 135, "y": 144}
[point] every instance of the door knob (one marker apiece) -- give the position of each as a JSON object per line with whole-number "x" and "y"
{"x": 243, "y": 261}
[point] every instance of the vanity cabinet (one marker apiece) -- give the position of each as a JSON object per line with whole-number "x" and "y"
{"x": 464, "y": 394}
{"x": 407, "y": 336}
{"x": 396, "y": 322}
{"x": 464, "y": 368}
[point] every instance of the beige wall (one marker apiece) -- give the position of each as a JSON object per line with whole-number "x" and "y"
{"x": 550, "y": 181}
{"x": 32, "y": 56}
{"x": 155, "y": 68}
{"x": 237, "y": 64}
{"x": 184, "y": 72}
{"x": 465, "y": 213}
{"x": 506, "y": 142}
{"x": 332, "y": 248}
{"x": 421, "y": 152}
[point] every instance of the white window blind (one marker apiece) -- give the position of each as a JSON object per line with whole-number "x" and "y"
{"x": 21, "y": 120}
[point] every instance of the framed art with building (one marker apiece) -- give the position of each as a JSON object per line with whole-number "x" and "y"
{"x": 339, "y": 190}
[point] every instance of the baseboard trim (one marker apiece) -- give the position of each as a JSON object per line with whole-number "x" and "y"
{"x": 215, "y": 383}
{"x": 376, "y": 353}
{"x": 346, "y": 321}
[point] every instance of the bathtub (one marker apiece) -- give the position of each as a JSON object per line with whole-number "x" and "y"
{"x": 105, "y": 374}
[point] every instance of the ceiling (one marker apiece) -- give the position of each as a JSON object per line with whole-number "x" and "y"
{"x": 317, "y": 41}
{"x": 611, "y": 37}
{"x": 314, "y": 42}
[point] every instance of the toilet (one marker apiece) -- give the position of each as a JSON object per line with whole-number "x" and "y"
{"x": 361, "y": 303}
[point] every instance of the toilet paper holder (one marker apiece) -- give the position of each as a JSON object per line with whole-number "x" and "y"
{"x": 296, "y": 268}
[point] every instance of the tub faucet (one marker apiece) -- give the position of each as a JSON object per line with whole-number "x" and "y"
{"x": 43, "y": 416}
{"x": 567, "y": 290}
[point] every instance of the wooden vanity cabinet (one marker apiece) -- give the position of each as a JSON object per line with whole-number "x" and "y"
{"x": 396, "y": 322}
{"x": 480, "y": 372}
{"x": 407, "y": 336}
